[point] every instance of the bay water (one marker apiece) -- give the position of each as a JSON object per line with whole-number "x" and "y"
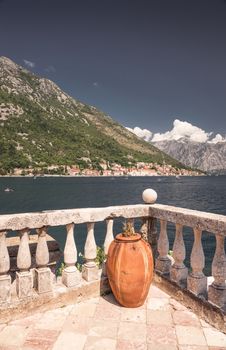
{"x": 205, "y": 193}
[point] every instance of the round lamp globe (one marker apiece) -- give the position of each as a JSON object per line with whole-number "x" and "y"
{"x": 149, "y": 196}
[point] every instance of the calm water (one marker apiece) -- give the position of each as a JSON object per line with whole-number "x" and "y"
{"x": 201, "y": 193}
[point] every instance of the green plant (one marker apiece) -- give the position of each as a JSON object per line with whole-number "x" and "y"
{"x": 100, "y": 257}
{"x": 170, "y": 252}
{"x": 62, "y": 266}
{"x": 60, "y": 269}
{"x": 99, "y": 261}
{"x": 79, "y": 266}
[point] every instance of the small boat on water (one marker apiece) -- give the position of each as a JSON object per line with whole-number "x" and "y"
{"x": 7, "y": 189}
{"x": 177, "y": 177}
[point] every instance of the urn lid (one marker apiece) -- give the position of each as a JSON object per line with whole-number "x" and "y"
{"x": 120, "y": 238}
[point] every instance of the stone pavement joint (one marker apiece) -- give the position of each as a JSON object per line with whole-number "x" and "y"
{"x": 102, "y": 324}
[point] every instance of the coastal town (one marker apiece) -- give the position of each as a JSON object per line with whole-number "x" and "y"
{"x": 106, "y": 169}
{"x": 141, "y": 169}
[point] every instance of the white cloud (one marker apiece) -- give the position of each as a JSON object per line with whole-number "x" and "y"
{"x": 183, "y": 129}
{"x": 96, "y": 84}
{"x": 29, "y": 64}
{"x": 217, "y": 138}
{"x": 142, "y": 133}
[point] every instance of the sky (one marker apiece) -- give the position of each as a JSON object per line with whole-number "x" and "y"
{"x": 143, "y": 62}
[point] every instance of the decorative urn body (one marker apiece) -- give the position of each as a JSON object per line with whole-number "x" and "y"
{"x": 130, "y": 269}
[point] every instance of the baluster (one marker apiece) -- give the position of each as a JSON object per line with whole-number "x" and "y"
{"x": 43, "y": 277}
{"x": 197, "y": 281}
{"x": 163, "y": 263}
{"x": 70, "y": 275}
{"x": 5, "y": 278}
{"x": 144, "y": 229}
{"x": 108, "y": 239}
{"x": 217, "y": 290}
{"x": 178, "y": 272}
{"x": 89, "y": 268}
{"x": 24, "y": 278}
{"x": 148, "y": 232}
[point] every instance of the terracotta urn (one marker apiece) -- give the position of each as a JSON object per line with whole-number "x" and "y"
{"x": 130, "y": 269}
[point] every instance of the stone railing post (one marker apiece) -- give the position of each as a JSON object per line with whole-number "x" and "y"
{"x": 89, "y": 268}
{"x": 24, "y": 278}
{"x": 217, "y": 290}
{"x": 108, "y": 239}
{"x": 43, "y": 278}
{"x": 144, "y": 229}
{"x": 5, "y": 279}
{"x": 163, "y": 263}
{"x": 197, "y": 281}
{"x": 178, "y": 272}
{"x": 148, "y": 232}
{"x": 70, "y": 275}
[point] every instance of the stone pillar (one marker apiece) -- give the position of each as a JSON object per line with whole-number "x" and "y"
{"x": 108, "y": 239}
{"x": 152, "y": 234}
{"x": 217, "y": 290}
{"x": 144, "y": 229}
{"x": 148, "y": 232}
{"x": 163, "y": 263}
{"x": 24, "y": 278}
{"x": 197, "y": 281}
{"x": 149, "y": 227}
{"x": 178, "y": 272}
{"x": 70, "y": 276}
{"x": 5, "y": 279}
{"x": 89, "y": 268}
{"x": 43, "y": 278}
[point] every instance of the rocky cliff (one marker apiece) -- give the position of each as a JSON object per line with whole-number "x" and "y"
{"x": 208, "y": 157}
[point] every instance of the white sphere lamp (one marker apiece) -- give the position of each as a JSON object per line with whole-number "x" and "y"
{"x": 149, "y": 196}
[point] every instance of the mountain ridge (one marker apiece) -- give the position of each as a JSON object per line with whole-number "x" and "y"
{"x": 41, "y": 125}
{"x": 207, "y": 157}
{"x": 191, "y": 145}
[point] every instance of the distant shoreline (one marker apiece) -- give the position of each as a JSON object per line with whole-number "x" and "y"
{"x": 94, "y": 176}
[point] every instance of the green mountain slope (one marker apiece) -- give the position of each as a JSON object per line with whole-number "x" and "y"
{"x": 40, "y": 125}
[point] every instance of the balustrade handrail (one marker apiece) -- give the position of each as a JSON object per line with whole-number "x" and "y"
{"x": 34, "y": 220}
{"x": 204, "y": 221}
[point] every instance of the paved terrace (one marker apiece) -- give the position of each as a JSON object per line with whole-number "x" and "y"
{"x": 102, "y": 324}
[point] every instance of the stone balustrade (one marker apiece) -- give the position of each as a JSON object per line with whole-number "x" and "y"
{"x": 195, "y": 281}
{"x": 152, "y": 216}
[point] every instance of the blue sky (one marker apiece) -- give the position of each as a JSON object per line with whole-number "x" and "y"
{"x": 144, "y": 62}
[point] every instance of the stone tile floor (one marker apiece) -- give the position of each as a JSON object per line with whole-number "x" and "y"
{"x": 102, "y": 324}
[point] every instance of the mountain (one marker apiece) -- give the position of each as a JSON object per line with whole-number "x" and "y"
{"x": 191, "y": 145}
{"x": 207, "y": 157}
{"x": 40, "y": 126}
